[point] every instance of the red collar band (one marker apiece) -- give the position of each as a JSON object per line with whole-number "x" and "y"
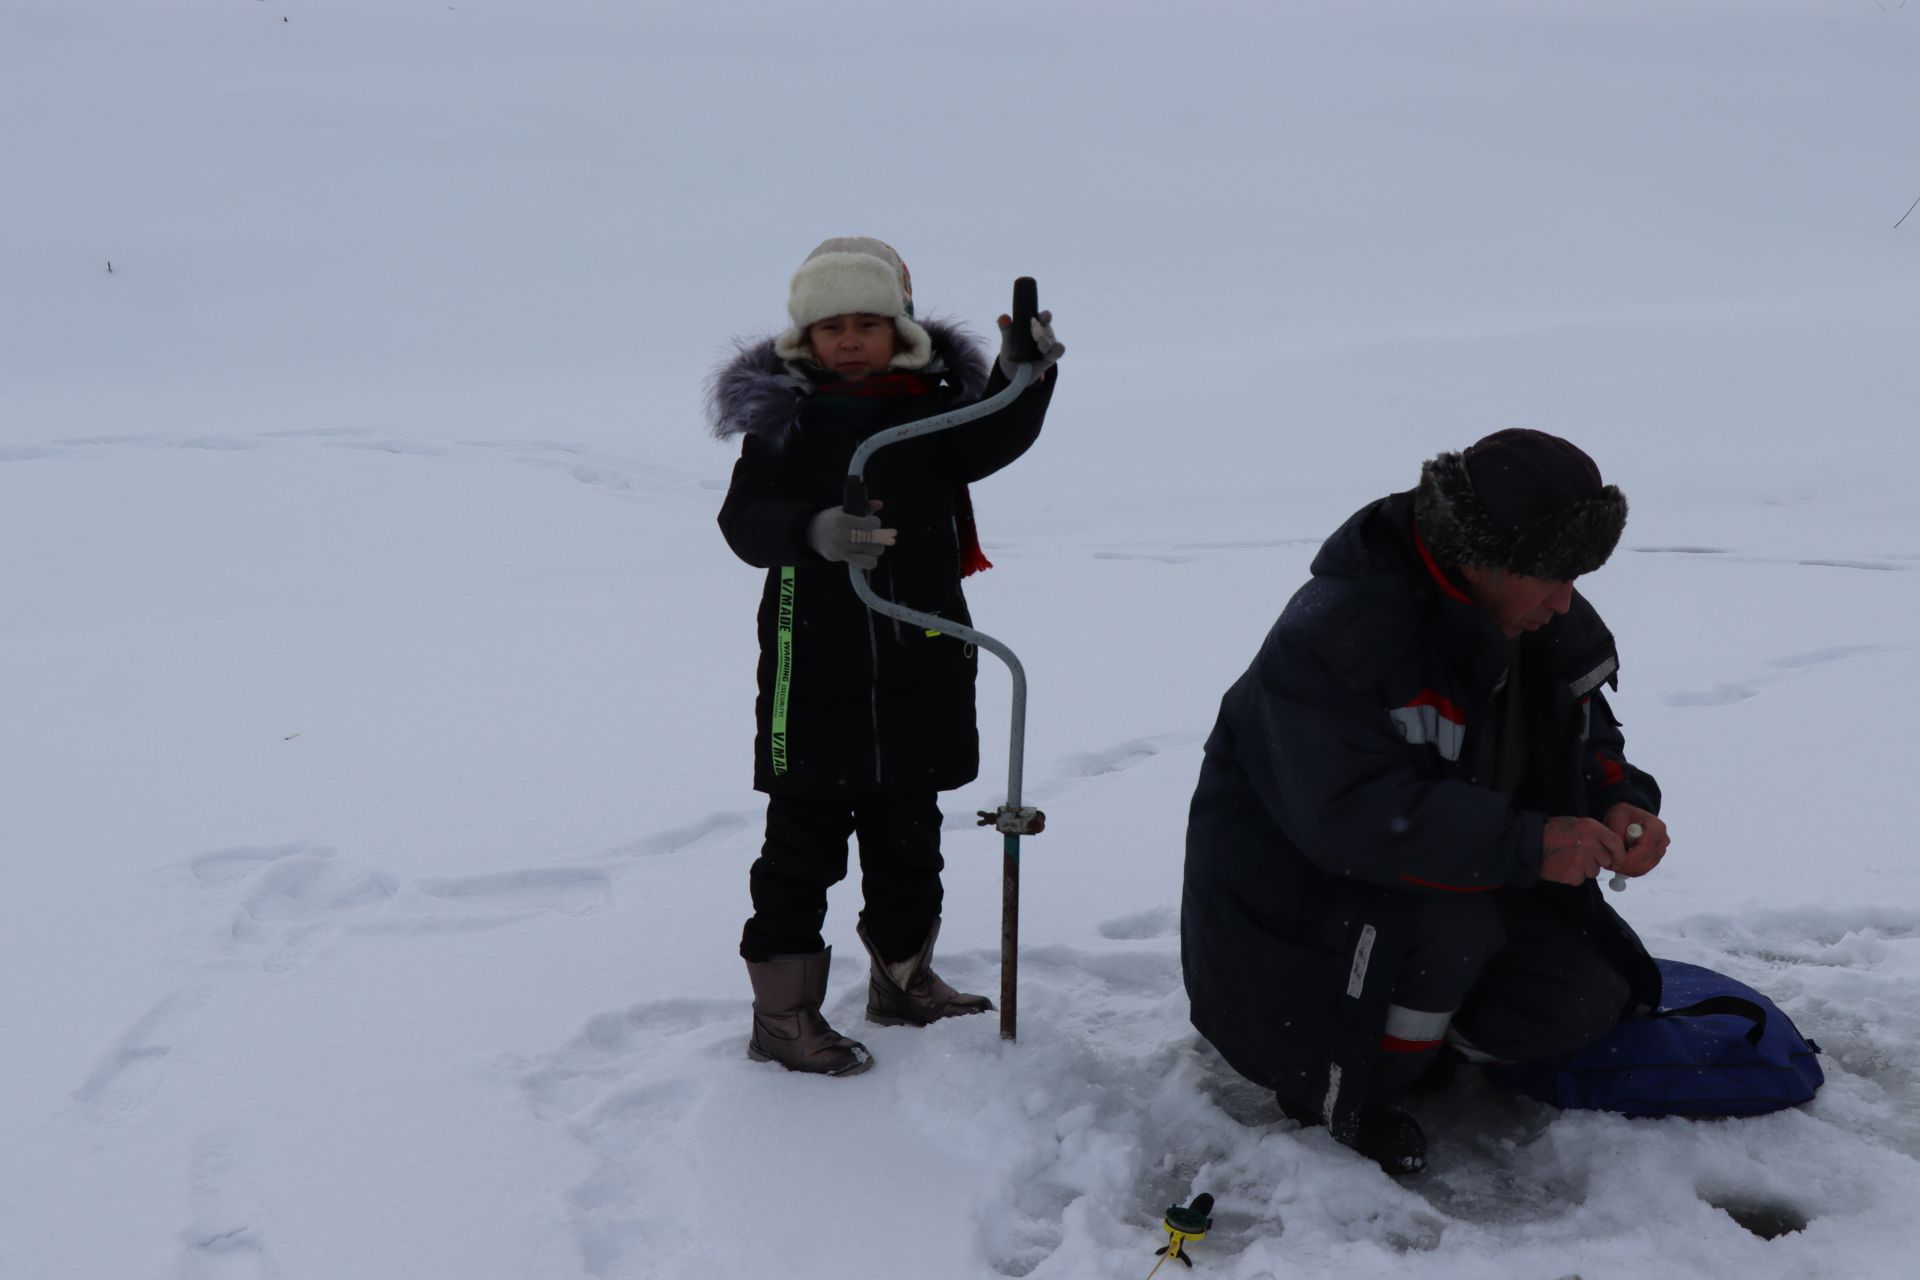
{"x": 1433, "y": 567}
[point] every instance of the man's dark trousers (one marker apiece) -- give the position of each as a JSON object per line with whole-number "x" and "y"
{"x": 1505, "y": 973}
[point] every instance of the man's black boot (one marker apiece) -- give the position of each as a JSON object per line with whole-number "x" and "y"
{"x": 1390, "y": 1138}
{"x": 1382, "y": 1132}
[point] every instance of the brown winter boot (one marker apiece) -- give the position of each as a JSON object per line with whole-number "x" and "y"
{"x": 787, "y": 1026}
{"x": 908, "y": 993}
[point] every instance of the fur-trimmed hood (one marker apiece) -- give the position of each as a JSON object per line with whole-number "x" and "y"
{"x": 756, "y": 392}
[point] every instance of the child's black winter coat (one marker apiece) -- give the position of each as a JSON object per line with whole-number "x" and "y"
{"x": 847, "y": 700}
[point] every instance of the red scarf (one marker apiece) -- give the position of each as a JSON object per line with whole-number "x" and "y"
{"x": 892, "y": 383}
{"x": 900, "y": 382}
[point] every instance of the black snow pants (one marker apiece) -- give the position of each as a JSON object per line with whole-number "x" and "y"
{"x": 1503, "y": 978}
{"x": 805, "y": 853}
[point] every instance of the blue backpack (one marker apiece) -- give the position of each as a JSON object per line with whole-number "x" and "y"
{"x": 1716, "y": 1047}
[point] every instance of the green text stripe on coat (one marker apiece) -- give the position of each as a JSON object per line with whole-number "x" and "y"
{"x": 783, "y": 670}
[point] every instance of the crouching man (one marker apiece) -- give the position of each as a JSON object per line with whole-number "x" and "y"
{"x": 1406, "y": 801}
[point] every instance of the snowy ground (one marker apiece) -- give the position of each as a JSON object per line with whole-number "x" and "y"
{"x": 377, "y": 733}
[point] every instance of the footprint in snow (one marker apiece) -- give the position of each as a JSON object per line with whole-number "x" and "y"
{"x": 1119, "y": 757}
{"x": 1730, "y": 692}
{"x": 1261, "y": 544}
{"x": 1681, "y": 551}
{"x": 399, "y": 447}
{"x": 1888, "y": 563}
{"x": 629, "y": 1087}
{"x": 82, "y": 442}
{"x": 125, "y": 1079}
{"x": 293, "y": 903}
{"x": 679, "y": 839}
{"x": 530, "y": 446}
{"x": 1093, "y": 980}
{"x": 238, "y": 1254}
{"x": 217, "y": 444}
{"x": 219, "y": 1241}
{"x": 1721, "y": 695}
{"x": 1155, "y": 922}
{"x": 611, "y": 473}
{"x": 580, "y": 461}
{"x": 1820, "y": 657}
{"x": 296, "y": 900}
{"x": 229, "y": 866}
{"x": 621, "y": 1046}
{"x": 1878, "y": 566}
{"x": 571, "y": 891}
{"x": 295, "y": 907}
{"x": 1142, "y": 555}
{"x": 1487, "y": 1166}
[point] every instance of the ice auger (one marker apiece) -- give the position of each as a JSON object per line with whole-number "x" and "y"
{"x": 1011, "y": 819}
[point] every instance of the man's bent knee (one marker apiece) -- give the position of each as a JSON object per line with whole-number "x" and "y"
{"x": 1520, "y": 1018}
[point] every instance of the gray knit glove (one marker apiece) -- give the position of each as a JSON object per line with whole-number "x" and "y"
{"x": 1050, "y": 348}
{"x": 854, "y": 540}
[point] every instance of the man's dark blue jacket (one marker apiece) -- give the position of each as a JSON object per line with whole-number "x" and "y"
{"x": 1349, "y": 776}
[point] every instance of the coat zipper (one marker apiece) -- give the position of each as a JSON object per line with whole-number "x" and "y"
{"x": 873, "y": 692}
{"x": 894, "y": 594}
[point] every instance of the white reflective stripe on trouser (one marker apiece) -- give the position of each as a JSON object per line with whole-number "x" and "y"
{"x": 1362, "y": 957}
{"x": 1417, "y": 1026}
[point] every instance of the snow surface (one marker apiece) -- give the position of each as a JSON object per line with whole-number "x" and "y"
{"x": 377, "y": 726}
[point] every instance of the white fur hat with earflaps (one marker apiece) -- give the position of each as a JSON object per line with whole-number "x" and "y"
{"x": 859, "y": 275}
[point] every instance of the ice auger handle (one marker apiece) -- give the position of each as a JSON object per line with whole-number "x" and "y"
{"x": 855, "y": 501}
{"x": 1026, "y": 305}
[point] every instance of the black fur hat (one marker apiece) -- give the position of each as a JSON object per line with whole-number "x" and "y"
{"x": 1523, "y": 501}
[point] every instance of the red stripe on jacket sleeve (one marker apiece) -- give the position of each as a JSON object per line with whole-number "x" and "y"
{"x": 1450, "y": 888}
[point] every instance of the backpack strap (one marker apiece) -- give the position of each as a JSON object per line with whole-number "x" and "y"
{"x": 1722, "y": 1004}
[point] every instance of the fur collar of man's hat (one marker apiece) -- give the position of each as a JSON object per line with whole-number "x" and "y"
{"x": 1569, "y": 541}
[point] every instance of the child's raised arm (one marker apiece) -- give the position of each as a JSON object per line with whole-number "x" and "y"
{"x": 983, "y": 447}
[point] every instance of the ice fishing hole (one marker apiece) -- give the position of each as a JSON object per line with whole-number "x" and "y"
{"x": 1768, "y": 1219}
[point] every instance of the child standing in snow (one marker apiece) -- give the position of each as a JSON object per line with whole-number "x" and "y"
{"x": 861, "y": 721}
